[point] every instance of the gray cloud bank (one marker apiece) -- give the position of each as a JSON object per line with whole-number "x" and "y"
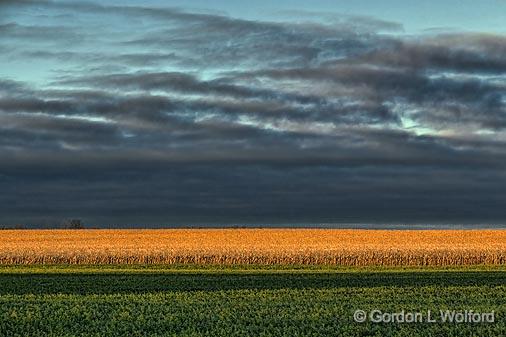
{"x": 158, "y": 116}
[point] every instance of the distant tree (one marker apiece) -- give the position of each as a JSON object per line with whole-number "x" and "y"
{"x": 73, "y": 224}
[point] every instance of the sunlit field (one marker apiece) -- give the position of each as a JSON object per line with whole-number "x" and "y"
{"x": 256, "y": 246}
{"x": 247, "y": 282}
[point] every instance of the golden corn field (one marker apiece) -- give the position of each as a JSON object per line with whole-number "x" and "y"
{"x": 255, "y": 246}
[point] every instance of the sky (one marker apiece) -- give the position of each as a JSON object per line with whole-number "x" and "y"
{"x": 162, "y": 113}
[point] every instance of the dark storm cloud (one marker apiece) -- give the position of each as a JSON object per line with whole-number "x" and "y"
{"x": 171, "y": 128}
{"x": 224, "y": 194}
{"x": 183, "y": 116}
{"x": 200, "y": 39}
{"x": 186, "y": 84}
{"x": 389, "y": 82}
{"x": 10, "y": 87}
{"x": 464, "y": 52}
{"x": 440, "y": 99}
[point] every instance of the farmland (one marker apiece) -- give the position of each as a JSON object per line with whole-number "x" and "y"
{"x": 245, "y": 301}
{"x": 256, "y": 247}
{"x": 247, "y": 282}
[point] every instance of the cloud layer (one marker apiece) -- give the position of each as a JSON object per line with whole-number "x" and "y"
{"x": 138, "y": 115}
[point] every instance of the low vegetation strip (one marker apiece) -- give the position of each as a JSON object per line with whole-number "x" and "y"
{"x": 234, "y": 303}
{"x": 255, "y": 246}
{"x": 126, "y": 280}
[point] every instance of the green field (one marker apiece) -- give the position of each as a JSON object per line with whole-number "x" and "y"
{"x": 242, "y": 301}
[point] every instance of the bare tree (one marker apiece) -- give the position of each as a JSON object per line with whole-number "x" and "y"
{"x": 73, "y": 224}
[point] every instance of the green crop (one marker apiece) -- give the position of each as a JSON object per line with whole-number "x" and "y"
{"x": 160, "y": 302}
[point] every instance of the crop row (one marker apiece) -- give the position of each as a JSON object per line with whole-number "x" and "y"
{"x": 262, "y": 247}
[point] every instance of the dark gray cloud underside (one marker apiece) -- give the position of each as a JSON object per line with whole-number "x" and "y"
{"x": 153, "y": 116}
